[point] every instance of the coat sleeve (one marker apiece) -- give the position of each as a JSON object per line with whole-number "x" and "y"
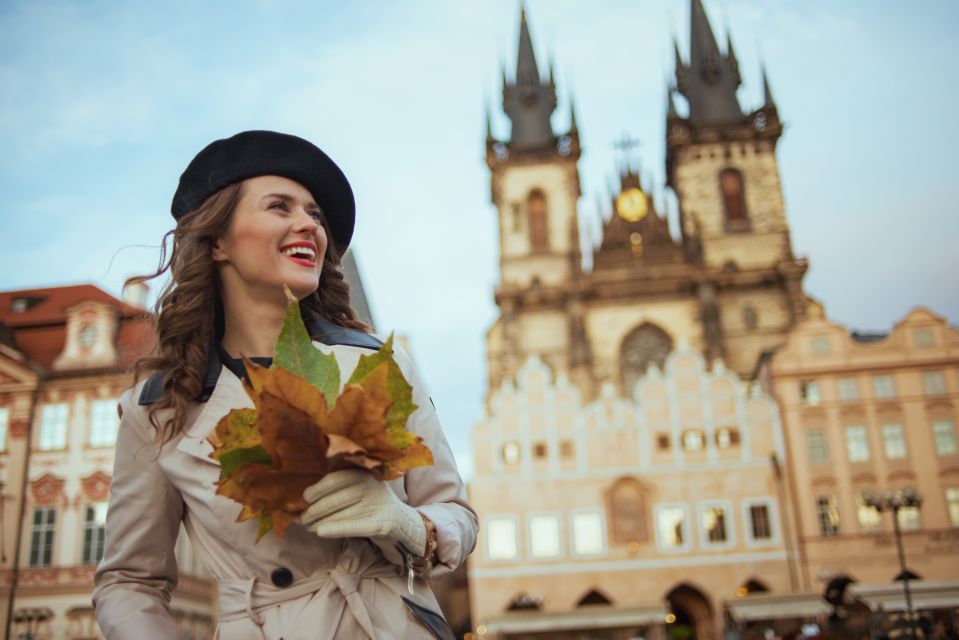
{"x": 437, "y": 491}
{"x": 133, "y": 582}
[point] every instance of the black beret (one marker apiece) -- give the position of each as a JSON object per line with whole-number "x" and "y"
{"x": 268, "y": 153}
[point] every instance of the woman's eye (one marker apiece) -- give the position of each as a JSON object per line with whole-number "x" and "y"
{"x": 317, "y": 215}
{"x": 279, "y": 204}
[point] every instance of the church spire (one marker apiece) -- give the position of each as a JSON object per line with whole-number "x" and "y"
{"x": 528, "y": 100}
{"x": 768, "y": 101}
{"x": 711, "y": 79}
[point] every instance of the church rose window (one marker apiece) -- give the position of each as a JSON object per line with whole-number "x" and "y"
{"x": 538, "y": 226}
{"x": 734, "y": 199}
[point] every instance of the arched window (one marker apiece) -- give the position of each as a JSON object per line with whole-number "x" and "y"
{"x": 734, "y": 199}
{"x": 750, "y": 319}
{"x": 627, "y": 507}
{"x": 538, "y": 225}
{"x": 645, "y": 345}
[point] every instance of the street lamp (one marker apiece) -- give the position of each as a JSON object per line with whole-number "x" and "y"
{"x": 893, "y": 501}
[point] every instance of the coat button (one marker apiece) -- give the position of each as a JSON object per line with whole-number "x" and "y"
{"x": 282, "y": 577}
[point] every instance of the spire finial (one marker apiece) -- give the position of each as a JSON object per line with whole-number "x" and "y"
{"x": 767, "y": 92}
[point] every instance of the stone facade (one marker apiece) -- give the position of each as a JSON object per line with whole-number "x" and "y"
{"x": 666, "y": 501}
{"x": 871, "y": 413}
{"x": 64, "y": 360}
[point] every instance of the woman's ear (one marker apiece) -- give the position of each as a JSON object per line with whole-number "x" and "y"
{"x": 217, "y": 252}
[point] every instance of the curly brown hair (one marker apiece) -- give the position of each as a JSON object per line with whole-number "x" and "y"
{"x": 189, "y": 311}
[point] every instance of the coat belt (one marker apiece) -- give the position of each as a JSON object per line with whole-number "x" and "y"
{"x": 248, "y": 598}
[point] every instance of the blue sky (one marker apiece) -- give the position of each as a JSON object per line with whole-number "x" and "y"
{"x": 104, "y": 103}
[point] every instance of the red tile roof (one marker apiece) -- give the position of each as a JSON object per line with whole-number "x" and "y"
{"x": 39, "y": 331}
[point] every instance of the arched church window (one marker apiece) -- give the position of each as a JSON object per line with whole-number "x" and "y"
{"x": 538, "y": 225}
{"x": 734, "y": 199}
{"x": 645, "y": 345}
{"x": 627, "y": 507}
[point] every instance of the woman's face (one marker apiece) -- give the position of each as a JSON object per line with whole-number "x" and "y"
{"x": 275, "y": 237}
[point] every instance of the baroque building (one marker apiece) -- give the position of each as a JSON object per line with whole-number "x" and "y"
{"x": 629, "y": 474}
{"x": 865, "y": 414}
{"x": 65, "y": 354}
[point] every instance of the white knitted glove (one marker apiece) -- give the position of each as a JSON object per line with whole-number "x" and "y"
{"x": 354, "y": 504}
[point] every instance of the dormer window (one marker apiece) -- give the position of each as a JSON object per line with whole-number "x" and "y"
{"x": 19, "y": 305}
{"x": 87, "y": 336}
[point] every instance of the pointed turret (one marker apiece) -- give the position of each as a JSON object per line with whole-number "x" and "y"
{"x": 528, "y": 101}
{"x": 573, "y": 126}
{"x": 670, "y": 104}
{"x": 768, "y": 102}
{"x": 489, "y": 126}
{"x": 710, "y": 81}
{"x": 731, "y": 60}
{"x": 680, "y": 68}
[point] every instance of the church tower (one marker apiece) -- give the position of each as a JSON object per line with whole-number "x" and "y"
{"x": 721, "y": 163}
{"x": 535, "y": 187}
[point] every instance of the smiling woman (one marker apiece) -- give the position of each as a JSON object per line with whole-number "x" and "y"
{"x": 256, "y": 213}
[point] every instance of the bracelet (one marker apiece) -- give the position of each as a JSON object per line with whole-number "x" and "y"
{"x": 421, "y": 567}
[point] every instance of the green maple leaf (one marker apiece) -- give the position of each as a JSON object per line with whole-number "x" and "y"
{"x": 295, "y": 352}
{"x": 399, "y": 391}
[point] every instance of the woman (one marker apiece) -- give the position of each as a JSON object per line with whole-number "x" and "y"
{"x": 254, "y": 212}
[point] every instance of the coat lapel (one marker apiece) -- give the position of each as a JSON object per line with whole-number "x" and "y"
{"x": 228, "y": 394}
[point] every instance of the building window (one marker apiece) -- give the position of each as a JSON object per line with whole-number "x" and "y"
{"x": 828, "y": 515}
{"x": 511, "y": 452}
{"x": 869, "y": 517}
{"x": 933, "y": 382}
{"x": 848, "y": 389}
{"x": 538, "y": 224}
{"x": 4, "y": 427}
{"x": 566, "y": 449}
{"x": 103, "y": 423}
{"x": 883, "y": 386}
{"x": 945, "y": 437}
{"x": 857, "y": 444}
{"x": 539, "y": 450}
{"x": 627, "y": 511}
{"x": 923, "y": 338}
{"x": 809, "y": 392}
{"x": 544, "y": 536}
{"x": 693, "y": 440}
{"x": 820, "y": 346}
{"x": 501, "y": 538}
{"x": 53, "y": 427}
{"x": 94, "y": 530}
{"x": 727, "y": 437}
{"x": 714, "y": 524}
{"x": 41, "y": 536}
{"x": 588, "y": 538}
{"x": 952, "y": 505}
{"x": 750, "y": 319}
{"x": 893, "y": 441}
{"x": 734, "y": 199}
{"x": 671, "y": 527}
{"x": 87, "y": 336}
{"x": 818, "y": 446}
{"x": 909, "y": 518}
{"x": 760, "y": 524}
{"x": 662, "y": 441}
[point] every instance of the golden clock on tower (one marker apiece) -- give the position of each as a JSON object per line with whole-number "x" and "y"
{"x": 631, "y": 204}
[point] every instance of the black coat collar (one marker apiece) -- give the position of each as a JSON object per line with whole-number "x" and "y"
{"x": 320, "y": 330}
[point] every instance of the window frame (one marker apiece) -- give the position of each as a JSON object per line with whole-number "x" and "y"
{"x": 934, "y": 389}
{"x": 603, "y": 533}
{"x": 950, "y": 433}
{"x": 50, "y": 545}
{"x": 847, "y": 389}
{"x": 876, "y": 386}
{"x": 65, "y": 428}
{"x": 952, "y": 506}
{"x": 805, "y": 398}
{"x": 103, "y": 403}
{"x": 885, "y": 428}
{"x": 820, "y": 433}
{"x": 834, "y": 504}
{"x": 4, "y": 427}
{"x": 557, "y": 516}
{"x": 491, "y": 519}
{"x": 858, "y": 428}
{"x": 772, "y": 515}
{"x": 98, "y": 544}
{"x": 687, "y": 543}
{"x": 704, "y": 541}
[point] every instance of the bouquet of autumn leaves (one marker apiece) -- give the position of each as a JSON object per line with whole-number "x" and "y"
{"x": 302, "y": 427}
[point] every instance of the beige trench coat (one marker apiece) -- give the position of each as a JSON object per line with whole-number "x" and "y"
{"x": 341, "y": 588}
